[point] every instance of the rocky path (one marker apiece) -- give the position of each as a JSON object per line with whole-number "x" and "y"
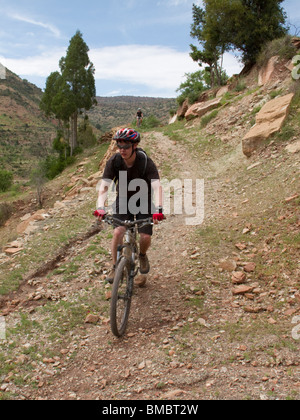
{"x": 192, "y": 333}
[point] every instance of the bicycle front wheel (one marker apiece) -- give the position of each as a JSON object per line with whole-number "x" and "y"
{"x": 121, "y": 298}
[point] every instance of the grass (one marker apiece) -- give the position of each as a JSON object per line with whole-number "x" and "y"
{"x": 208, "y": 118}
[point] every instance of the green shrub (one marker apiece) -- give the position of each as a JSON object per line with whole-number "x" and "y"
{"x": 6, "y": 180}
{"x": 282, "y": 47}
{"x": 5, "y": 213}
{"x": 208, "y": 118}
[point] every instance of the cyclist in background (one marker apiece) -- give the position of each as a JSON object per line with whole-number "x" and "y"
{"x": 139, "y": 117}
{"x": 131, "y": 164}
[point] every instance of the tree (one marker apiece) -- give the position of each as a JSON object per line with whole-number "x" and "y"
{"x": 211, "y": 27}
{"x": 262, "y": 21}
{"x": 192, "y": 87}
{"x": 73, "y": 89}
{"x": 244, "y": 25}
{"x": 38, "y": 180}
{"x": 6, "y": 180}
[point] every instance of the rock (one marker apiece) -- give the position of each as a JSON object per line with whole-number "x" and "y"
{"x": 221, "y": 92}
{"x": 141, "y": 280}
{"x": 173, "y": 119}
{"x": 228, "y": 265}
{"x": 250, "y": 267}
{"x": 241, "y": 246}
{"x": 241, "y": 290}
{"x": 269, "y": 120}
{"x": 92, "y": 319}
{"x": 201, "y": 108}
{"x": 293, "y": 197}
{"x": 142, "y": 365}
{"x": 26, "y": 217}
{"x": 183, "y": 109}
{"x": 13, "y": 251}
{"x": 238, "y": 277}
{"x": 293, "y": 147}
{"x": 202, "y": 322}
{"x": 172, "y": 394}
{"x": 108, "y": 294}
{"x": 296, "y": 42}
{"x": 266, "y": 73}
{"x": 21, "y": 228}
{"x": 39, "y": 215}
{"x": 15, "y": 244}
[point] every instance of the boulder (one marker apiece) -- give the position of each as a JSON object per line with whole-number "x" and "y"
{"x": 266, "y": 73}
{"x": 183, "y": 109}
{"x": 296, "y": 42}
{"x": 269, "y": 120}
{"x": 173, "y": 119}
{"x": 201, "y": 108}
{"x": 293, "y": 147}
{"x": 221, "y": 92}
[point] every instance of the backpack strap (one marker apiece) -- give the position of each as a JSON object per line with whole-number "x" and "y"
{"x": 142, "y": 152}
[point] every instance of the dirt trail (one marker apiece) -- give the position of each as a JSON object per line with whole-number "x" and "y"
{"x": 188, "y": 336}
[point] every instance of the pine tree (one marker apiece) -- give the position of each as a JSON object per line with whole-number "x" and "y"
{"x": 73, "y": 89}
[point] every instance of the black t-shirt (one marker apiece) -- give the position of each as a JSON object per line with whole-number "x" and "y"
{"x": 128, "y": 180}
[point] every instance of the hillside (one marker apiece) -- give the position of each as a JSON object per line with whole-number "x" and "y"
{"x": 25, "y": 134}
{"x": 219, "y": 316}
{"x": 121, "y": 110}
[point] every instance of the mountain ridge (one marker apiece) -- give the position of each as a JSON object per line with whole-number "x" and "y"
{"x": 121, "y": 110}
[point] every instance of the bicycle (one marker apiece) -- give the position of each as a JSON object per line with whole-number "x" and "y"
{"x": 125, "y": 272}
{"x": 139, "y": 121}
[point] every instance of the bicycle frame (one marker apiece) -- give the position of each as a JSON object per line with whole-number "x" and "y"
{"x": 125, "y": 271}
{"x": 130, "y": 245}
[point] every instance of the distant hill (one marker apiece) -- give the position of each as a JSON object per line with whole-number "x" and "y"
{"x": 25, "y": 133}
{"x": 121, "y": 110}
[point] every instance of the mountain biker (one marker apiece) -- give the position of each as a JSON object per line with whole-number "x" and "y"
{"x": 131, "y": 166}
{"x": 139, "y": 116}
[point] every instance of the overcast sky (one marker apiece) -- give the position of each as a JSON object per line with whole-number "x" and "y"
{"x": 138, "y": 47}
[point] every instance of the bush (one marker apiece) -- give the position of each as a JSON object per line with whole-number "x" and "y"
{"x": 282, "y": 47}
{"x": 193, "y": 86}
{"x": 148, "y": 123}
{"x": 5, "y": 213}
{"x": 6, "y": 180}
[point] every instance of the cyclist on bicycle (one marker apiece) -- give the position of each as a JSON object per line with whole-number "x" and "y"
{"x": 139, "y": 116}
{"x": 131, "y": 167}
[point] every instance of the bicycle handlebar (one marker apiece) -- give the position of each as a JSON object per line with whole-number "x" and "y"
{"x": 111, "y": 220}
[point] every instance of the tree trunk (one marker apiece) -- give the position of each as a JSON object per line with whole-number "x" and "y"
{"x": 73, "y": 139}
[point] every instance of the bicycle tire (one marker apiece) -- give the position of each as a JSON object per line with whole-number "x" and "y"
{"x": 121, "y": 298}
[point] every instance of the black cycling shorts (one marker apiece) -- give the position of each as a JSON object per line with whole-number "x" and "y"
{"x": 147, "y": 230}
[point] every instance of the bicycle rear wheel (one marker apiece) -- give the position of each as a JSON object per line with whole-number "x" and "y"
{"x": 121, "y": 298}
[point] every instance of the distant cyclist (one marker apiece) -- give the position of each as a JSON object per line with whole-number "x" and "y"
{"x": 139, "y": 117}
